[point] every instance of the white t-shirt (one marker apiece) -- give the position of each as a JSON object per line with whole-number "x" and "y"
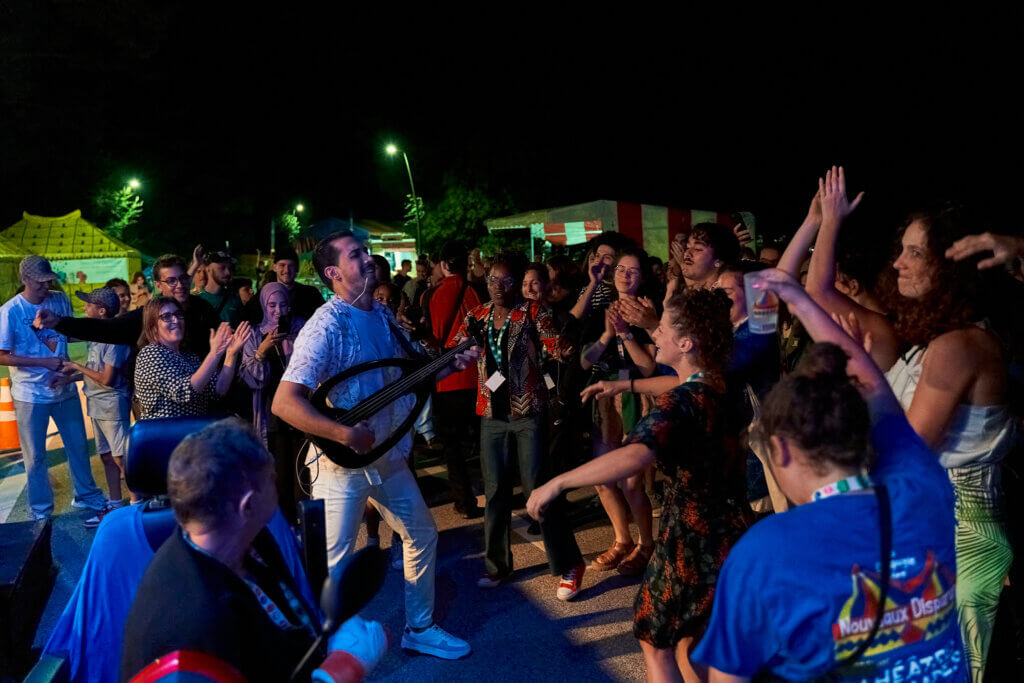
{"x": 340, "y": 336}
{"x": 17, "y": 335}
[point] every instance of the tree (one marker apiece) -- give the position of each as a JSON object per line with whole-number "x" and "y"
{"x": 459, "y": 215}
{"x": 288, "y": 223}
{"x": 123, "y": 208}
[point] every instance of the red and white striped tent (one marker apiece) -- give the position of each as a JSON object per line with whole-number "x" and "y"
{"x": 653, "y": 227}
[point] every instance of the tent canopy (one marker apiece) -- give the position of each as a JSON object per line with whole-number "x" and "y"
{"x": 652, "y": 227}
{"x": 83, "y": 254}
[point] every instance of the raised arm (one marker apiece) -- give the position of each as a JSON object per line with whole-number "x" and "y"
{"x": 821, "y": 277}
{"x": 596, "y": 268}
{"x": 822, "y": 328}
{"x": 796, "y": 250}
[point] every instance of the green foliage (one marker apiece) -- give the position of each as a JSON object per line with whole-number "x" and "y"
{"x": 123, "y": 208}
{"x": 459, "y": 215}
{"x": 288, "y": 224}
{"x": 413, "y": 210}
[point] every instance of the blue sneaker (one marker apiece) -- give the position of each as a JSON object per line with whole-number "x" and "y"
{"x": 435, "y": 641}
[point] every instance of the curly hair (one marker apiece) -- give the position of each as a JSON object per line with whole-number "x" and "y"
{"x": 703, "y": 316}
{"x": 954, "y": 300}
{"x": 819, "y": 408}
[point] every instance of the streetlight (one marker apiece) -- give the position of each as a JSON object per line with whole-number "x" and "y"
{"x": 392, "y": 150}
{"x": 133, "y": 183}
{"x": 300, "y": 208}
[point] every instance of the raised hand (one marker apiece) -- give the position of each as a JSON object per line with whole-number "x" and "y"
{"x": 780, "y": 282}
{"x": 851, "y": 327}
{"x": 238, "y": 339}
{"x": 360, "y": 438}
{"x": 598, "y": 268}
{"x": 197, "y": 256}
{"x": 219, "y": 339}
{"x": 677, "y": 250}
{"x": 45, "y": 319}
{"x": 814, "y": 211}
{"x": 1004, "y": 248}
{"x": 639, "y": 313}
{"x": 742, "y": 234}
{"x": 832, "y": 191}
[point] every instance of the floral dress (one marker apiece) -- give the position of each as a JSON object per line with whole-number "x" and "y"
{"x": 704, "y": 512}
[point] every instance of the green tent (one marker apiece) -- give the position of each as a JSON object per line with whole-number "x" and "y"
{"x": 85, "y": 256}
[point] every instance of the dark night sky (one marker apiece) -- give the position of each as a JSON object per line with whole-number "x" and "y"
{"x": 229, "y": 120}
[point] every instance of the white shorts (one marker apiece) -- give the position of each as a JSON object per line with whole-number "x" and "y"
{"x": 111, "y": 436}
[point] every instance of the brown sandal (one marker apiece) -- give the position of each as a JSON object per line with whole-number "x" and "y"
{"x": 636, "y": 563}
{"x": 611, "y": 558}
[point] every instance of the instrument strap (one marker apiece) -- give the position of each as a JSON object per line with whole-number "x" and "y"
{"x": 399, "y": 334}
{"x": 454, "y": 314}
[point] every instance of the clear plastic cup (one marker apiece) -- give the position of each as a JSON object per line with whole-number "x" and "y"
{"x": 762, "y": 306}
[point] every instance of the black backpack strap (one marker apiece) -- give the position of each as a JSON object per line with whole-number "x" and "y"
{"x": 885, "y": 524}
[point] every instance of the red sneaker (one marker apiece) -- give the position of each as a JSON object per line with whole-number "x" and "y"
{"x": 571, "y": 583}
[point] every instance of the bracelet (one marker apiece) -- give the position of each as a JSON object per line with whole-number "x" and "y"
{"x": 626, "y": 336}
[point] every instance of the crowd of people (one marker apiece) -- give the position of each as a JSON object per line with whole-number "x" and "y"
{"x": 881, "y": 417}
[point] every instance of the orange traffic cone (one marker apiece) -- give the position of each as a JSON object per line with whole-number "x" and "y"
{"x": 8, "y": 424}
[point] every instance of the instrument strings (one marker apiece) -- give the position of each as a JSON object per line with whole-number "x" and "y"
{"x": 400, "y": 388}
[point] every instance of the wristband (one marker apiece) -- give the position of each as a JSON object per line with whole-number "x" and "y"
{"x": 626, "y": 336}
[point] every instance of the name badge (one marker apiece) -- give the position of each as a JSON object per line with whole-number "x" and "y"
{"x": 548, "y": 381}
{"x": 623, "y": 375}
{"x": 496, "y": 380}
{"x": 373, "y": 476}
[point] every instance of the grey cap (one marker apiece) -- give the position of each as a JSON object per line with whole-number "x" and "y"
{"x": 36, "y": 268}
{"x": 104, "y": 296}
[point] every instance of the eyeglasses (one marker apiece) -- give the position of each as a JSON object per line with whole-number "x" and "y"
{"x": 633, "y": 272}
{"x": 168, "y": 317}
{"x": 506, "y": 281}
{"x": 173, "y": 282}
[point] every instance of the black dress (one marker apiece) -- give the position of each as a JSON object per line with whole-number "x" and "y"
{"x": 704, "y": 513}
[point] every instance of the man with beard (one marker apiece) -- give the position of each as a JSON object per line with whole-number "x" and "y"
{"x": 710, "y": 248}
{"x": 305, "y": 298}
{"x": 218, "y": 292}
{"x": 170, "y": 274}
{"x": 349, "y": 330}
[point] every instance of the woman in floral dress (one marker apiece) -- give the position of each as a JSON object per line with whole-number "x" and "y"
{"x": 690, "y": 437}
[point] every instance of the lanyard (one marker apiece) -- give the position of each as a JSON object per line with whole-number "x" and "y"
{"x": 855, "y": 483}
{"x": 497, "y": 341}
{"x": 270, "y": 609}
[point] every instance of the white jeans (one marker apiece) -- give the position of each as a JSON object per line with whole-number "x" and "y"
{"x": 398, "y": 498}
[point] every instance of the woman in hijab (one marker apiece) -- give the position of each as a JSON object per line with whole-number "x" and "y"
{"x": 265, "y": 356}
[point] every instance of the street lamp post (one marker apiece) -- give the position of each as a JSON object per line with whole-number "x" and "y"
{"x": 392, "y": 150}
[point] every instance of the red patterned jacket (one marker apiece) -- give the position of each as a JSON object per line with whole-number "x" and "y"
{"x": 532, "y": 329}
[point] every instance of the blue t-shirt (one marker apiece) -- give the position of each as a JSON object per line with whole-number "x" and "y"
{"x": 800, "y": 590}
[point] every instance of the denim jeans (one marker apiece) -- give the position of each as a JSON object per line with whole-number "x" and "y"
{"x": 496, "y": 463}
{"x": 33, "y": 420}
{"x": 401, "y": 504}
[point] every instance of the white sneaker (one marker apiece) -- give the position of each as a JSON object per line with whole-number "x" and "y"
{"x": 435, "y": 641}
{"x": 82, "y": 505}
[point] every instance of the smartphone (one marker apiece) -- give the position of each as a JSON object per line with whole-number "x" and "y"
{"x": 284, "y": 324}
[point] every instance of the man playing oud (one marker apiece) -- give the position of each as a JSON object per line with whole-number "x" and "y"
{"x": 348, "y": 330}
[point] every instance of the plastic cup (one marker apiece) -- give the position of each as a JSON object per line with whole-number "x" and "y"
{"x": 762, "y": 306}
